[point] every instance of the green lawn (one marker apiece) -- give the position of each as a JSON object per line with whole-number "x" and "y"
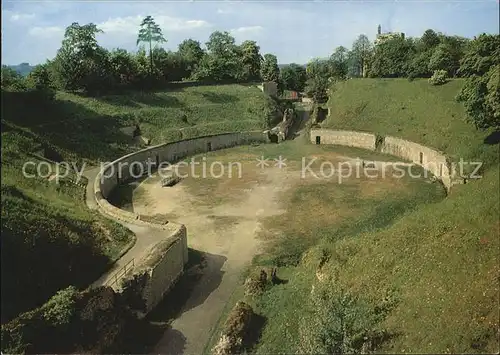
{"x": 52, "y": 239}
{"x": 412, "y": 273}
{"x": 414, "y": 110}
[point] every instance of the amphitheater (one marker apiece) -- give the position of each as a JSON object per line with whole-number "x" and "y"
{"x": 168, "y": 220}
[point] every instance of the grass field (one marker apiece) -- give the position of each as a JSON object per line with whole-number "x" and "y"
{"x": 420, "y": 279}
{"x": 46, "y": 227}
{"x": 91, "y": 129}
{"x": 415, "y": 110}
{"x": 52, "y": 239}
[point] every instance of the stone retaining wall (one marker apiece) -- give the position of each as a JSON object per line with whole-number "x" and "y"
{"x": 164, "y": 262}
{"x": 119, "y": 170}
{"x": 346, "y": 138}
{"x": 430, "y": 159}
{"x": 163, "y": 265}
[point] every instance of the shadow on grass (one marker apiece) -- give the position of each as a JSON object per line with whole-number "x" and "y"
{"x": 493, "y": 138}
{"x": 135, "y": 100}
{"x": 218, "y": 98}
{"x": 254, "y": 333}
{"x": 70, "y": 128}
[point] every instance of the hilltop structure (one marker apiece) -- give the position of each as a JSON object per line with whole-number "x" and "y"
{"x": 383, "y": 37}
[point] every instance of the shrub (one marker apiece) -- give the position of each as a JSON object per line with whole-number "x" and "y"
{"x": 255, "y": 284}
{"x": 439, "y": 77}
{"x": 236, "y": 330}
{"x": 97, "y": 321}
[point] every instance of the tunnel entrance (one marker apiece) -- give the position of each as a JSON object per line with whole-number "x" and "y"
{"x": 318, "y": 139}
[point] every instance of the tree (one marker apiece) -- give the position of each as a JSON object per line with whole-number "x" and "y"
{"x": 269, "y": 70}
{"x": 150, "y": 32}
{"x": 361, "y": 49}
{"x": 319, "y": 77}
{"x": 123, "y": 67}
{"x": 445, "y": 58}
{"x": 171, "y": 66}
{"x": 251, "y": 60}
{"x": 223, "y": 60}
{"x": 480, "y": 55}
{"x": 481, "y": 91}
{"x": 11, "y": 79}
{"x": 317, "y": 88}
{"x": 40, "y": 80}
{"x": 191, "y": 52}
{"x": 429, "y": 40}
{"x": 419, "y": 65}
{"x": 293, "y": 77}
{"x": 81, "y": 63}
{"x": 339, "y": 62}
{"x": 392, "y": 58}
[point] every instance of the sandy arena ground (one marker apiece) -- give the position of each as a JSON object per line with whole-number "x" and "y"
{"x": 223, "y": 219}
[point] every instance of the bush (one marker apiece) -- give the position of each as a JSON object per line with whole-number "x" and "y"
{"x": 439, "y": 77}
{"x": 96, "y": 321}
{"x": 255, "y": 284}
{"x": 234, "y": 337}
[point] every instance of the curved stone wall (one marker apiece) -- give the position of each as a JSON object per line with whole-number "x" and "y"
{"x": 164, "y": 262}
{"x": 120, "y": 170}
{"x": 430, "y": 159}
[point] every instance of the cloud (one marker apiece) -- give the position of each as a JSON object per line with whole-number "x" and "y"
{"x": 224, "y": 11}
{"x": 247, "y": 30}
{"x": 46, "y": 32}
{"x": 15, "y": 17}
{"x": 130, "y": 24}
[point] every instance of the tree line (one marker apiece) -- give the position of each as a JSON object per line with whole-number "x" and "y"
{"x": 81, "y": 64}
{"x": 433, "y": 55}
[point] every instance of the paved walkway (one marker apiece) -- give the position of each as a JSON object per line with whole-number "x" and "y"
{"x": 145, "y": 236}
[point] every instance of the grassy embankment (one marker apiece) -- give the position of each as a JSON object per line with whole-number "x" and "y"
{"x": 49, "y": 237}
{"x": 398, "y": 280}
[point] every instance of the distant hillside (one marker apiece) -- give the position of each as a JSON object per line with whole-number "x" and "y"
{"x": 23, "y": 68}
{"x": 285, "y": 65}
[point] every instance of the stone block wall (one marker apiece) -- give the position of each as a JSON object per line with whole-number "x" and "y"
{"x": 345, "y": 138}
{"x": 163, "y": 265}
{"x": 164, "y": 262}
{"x": 430, "y": 159}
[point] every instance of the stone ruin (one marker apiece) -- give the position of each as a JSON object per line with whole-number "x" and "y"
{"x": 282, "y": 131}
{"x": 170, "y": 179}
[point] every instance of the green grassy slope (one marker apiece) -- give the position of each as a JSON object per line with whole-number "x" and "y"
{"x": 50, "y": 240}
{"x": 49, "y": 237}
{"x": 415, "y": 110}
{"x": 183, "y": 113}
{"x": 428, "y": 281}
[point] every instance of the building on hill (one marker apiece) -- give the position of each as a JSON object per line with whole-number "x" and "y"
{"x": 383, "y": 37}
{"x": 24, "y": 68}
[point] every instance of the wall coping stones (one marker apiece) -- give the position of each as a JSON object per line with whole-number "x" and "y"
{"x": 433, "y": 160}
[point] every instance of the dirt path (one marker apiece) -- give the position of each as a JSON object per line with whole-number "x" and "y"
{"x": 227, "y": 233}
{"x": 145, "y": 236}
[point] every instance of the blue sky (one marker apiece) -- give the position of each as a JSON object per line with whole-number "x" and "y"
{"x": 296, "y": 31}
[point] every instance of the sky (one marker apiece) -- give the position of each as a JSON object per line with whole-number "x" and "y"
{"x": 295, "y": 31}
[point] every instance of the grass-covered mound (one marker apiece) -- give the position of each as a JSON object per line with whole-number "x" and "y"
{"x": 413, "y": 110}
{"x": 49, "y": 238}
{"x": 91, "y": 128}
{"x": 424, "y": 280}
